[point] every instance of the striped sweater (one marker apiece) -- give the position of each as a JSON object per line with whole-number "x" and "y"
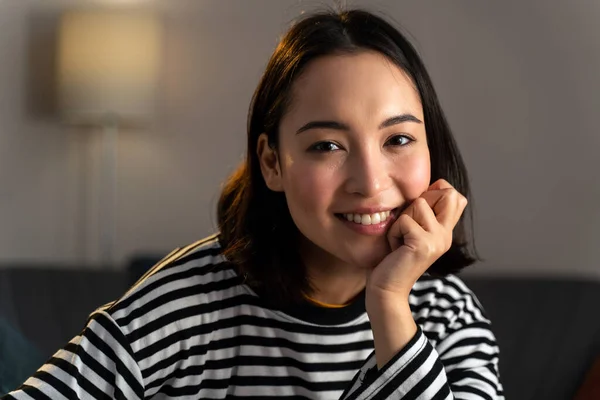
{"x": 191, "y": 329}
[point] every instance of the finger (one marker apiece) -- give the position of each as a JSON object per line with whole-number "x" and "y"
{"x": 437, "y": 199}
{"x": 440, "y": 184}
{"x": 405, "y": 226}
{"x": 435, "y": 191}
{"x": 449, "y": 208}
{"x": 423, "y": 214}
{"x": 432, "y": 197}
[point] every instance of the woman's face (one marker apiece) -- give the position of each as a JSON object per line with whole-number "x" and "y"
{"x": 352, "y": 146}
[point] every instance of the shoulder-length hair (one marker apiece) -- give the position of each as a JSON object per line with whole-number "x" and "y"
{"x": 256, "y": 229}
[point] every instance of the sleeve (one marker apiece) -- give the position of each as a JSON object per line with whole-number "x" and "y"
{"x": 463, "y": 365}
{"x": 98, "y": 363}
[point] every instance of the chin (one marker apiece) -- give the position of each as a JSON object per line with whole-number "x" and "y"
{"x": 364, "y": 252}
{"x": 366, "y": 257}
{"x": 369, "y": 261}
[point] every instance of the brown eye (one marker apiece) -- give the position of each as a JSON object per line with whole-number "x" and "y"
{"x": 324, "y": 147}
{"x": 399, "y": 140}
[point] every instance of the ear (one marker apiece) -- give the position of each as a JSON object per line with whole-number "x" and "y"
{"x": 269, "y": 164}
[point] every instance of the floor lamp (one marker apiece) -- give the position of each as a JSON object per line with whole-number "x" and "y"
{"x": 108, "y": 65}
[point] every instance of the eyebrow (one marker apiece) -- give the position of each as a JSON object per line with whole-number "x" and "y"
{"x": 395, "y": 120}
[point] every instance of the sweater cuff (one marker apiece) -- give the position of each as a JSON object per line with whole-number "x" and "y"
{"x": 406, "y": 369}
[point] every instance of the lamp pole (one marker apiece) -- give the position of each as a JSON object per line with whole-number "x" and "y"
{"x": 109, "y": 189}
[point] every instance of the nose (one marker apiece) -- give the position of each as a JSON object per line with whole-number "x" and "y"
{"x": 368, "y": 173}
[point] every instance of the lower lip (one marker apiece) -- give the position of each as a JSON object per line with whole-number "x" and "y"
{"x": 369, "y": 230}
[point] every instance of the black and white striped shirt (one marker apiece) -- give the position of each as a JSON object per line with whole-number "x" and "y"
{"x": 191, "y": 329}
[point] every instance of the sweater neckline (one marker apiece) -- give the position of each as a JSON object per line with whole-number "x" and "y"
{"x": 310, "y": 312}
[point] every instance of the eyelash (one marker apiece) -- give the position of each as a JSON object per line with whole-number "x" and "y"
{"x": 409, "y": 140}
{"x": 315, "y": 147}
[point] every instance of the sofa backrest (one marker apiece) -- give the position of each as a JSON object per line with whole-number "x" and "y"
{"x": 548, "y": 331}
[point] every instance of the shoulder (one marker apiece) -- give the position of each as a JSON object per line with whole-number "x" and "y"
{"x": 442, "y": 305}
{"x": 201, "y": 254}
{"x": 183, "y": 279}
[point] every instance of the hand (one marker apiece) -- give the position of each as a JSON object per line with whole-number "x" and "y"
{"x": 420, "y": 235}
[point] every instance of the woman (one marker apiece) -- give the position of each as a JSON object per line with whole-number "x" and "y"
{"x": 331, "y": 275}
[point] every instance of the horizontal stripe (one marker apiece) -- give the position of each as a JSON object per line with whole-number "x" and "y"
{"x": 173, "y": 287}
{"x": 163, "y": 304}
{"x": 255, "y": 381}
{"x": 391, "y": 379}
{"x": 461, "y": 376}
{"x": 472, "y": 393}
{"x": 264, "y": 366}
{"x": 200, "y": 249}
{"x": 430, "y": 381}
{"x": 471, "y": 360}
{"x": 255, "y": 393}
{"x": 252, "y": 346}
{"x": 185, "y": 335}
{"x": 426, "y": 298}
{"x": 155, "y": 279}
{"x": 191, "y": 329}
{"x": 33, "y": 392}
{"x": 459, "y": 327}
{"x": 109, "y": 352}
{"x": 228, "y": 323}
{"x": 62, "y": 390}
{"x": 468, "y": 335}
{"x": 467, "y": 347}
{"x": 82, "y": 377}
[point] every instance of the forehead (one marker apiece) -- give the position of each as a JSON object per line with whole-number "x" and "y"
{"x": 365, "y": 83}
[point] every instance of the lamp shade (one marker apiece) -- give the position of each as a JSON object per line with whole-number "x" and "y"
{"x": 108, "y": 64}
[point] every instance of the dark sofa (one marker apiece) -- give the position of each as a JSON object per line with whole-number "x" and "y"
{"x": 548, "y": 330}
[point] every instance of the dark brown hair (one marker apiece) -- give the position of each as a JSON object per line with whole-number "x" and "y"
{"x": 257, "y": 232}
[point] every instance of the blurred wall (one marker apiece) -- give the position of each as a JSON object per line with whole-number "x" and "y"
{"x": 518, "y": 81}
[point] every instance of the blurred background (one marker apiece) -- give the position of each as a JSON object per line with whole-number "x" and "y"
{"x": 119, "y": 120}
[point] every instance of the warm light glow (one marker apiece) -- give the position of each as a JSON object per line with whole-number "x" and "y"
{"x": 108, "y": 63}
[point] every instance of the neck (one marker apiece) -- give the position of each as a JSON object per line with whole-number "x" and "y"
{"x": 334, "y": 282}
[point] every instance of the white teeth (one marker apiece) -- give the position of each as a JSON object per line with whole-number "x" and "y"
{"x": 376, "y": 218}
{"x": 368, "y": 219}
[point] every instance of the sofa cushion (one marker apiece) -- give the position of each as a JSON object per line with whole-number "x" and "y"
{"x": 50, "y": 306}
{"x": 20, "y": 358}
{"x": 548, "y": 332}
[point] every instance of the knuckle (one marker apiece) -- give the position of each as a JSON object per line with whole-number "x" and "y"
{"x": 457, "y": 197}
{"x": 446, "y": 184}
{"x": 428, "y": 248}
{"x": 463, "y": 201}
{"x": 404, "y": 219}
{"x": 447, "y": 243}
{"x": 452, "y": 193}
{"x": 420, "y": 202}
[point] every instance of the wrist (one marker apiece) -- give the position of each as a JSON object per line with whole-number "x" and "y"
{"x": 392, "y": 324}
{"x": 389, "y": 313}
{"x": 379, "y": 302}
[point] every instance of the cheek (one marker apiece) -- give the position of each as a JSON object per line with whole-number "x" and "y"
{"x": 307, "y": 188}
{"x": 415, "y": 175}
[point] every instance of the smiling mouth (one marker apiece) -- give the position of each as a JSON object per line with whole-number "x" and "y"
{"x": 368, "y": 219}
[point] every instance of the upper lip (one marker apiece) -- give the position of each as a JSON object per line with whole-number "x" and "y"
{"x": 368, "y": 210}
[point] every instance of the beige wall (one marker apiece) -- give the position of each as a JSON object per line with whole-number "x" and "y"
{"x": 518, "y": 80}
